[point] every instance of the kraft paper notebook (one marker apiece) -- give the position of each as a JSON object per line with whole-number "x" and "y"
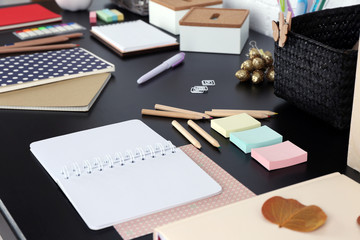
{"x": 232, "y": 191}
{"x": 337, "y": 195}
{"x": 122, "y": 171}
{"x": 77, "y": 94}
{"x": 29, "y": 70}
{"x": 133, "y": 37}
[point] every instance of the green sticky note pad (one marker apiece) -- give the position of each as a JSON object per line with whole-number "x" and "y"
{"x": 236, "y": 123}
{"x": 104, "y": 16}
{"x": 255, "y": 138}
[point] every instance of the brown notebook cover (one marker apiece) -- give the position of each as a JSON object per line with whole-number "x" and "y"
{"x": 76, "y": 94}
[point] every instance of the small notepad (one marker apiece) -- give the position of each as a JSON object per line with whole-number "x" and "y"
{"x": 280, "y": 155}
{"x": 122, "y": 171}
{"x": 236, "y": 123}
{"x": 133, "y": 36}
{"x": 255, "y": 138}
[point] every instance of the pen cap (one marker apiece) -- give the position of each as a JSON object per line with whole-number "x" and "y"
{"x": 177, "y": 59}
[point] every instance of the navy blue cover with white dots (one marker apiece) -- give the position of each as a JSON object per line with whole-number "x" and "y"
{"x": 27, "y": 70}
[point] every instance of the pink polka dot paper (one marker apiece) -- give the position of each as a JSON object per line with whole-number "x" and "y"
{"x": 233, "y": 191}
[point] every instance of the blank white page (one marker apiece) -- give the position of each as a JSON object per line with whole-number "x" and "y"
{"x": 133, "y": 35}
{"x": 122, "y": 192}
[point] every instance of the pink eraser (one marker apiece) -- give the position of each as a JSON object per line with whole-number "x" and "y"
{"x": 92, "y": 17}
{"x": 280, "y": 155}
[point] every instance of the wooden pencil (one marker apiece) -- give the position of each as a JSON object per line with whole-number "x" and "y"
{"x": 38, "y": 48}
{"x": 171, "y": 114}
{"x": 186, "y": 134}
{"x": 44, "y": 41}
{"x": 174, "y": 109}
{"x": 270, "y": 113}
{"x": 203, "y": 133}
{"x": 229, "y": 113}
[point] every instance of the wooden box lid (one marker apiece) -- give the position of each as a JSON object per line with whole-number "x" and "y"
{"x": 177, "y": 5}
{"x": 215, "y": 17}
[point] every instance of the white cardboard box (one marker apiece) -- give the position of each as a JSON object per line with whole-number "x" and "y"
{"x": 215, "y": 30}
{"x": 167, "y": 13}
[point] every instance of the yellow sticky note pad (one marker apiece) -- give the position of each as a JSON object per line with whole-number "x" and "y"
{"x": 235, "y": 123}
{"x": 120, "y": 15}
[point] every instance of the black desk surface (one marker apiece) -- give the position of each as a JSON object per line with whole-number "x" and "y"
{"x": 41, "y": 209}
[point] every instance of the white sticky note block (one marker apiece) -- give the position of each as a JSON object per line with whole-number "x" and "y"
{"x": 235, "y": 123}
{"x": 280, "y": 155}
{"x": 255, "y": 138}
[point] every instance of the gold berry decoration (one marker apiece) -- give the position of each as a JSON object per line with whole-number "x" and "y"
{"x": 258, "y": 67}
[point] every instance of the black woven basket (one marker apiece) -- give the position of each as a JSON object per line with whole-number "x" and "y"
{"x": 315, "y": 70}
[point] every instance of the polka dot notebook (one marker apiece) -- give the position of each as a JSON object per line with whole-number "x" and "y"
{"x": 232, "y": 191}
{"x": 18, "y": 72}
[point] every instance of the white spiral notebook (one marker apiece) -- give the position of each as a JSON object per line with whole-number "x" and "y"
{"x": 122, "y": 171}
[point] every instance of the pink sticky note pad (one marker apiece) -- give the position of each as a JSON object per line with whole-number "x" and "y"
{"x": 92, "y": 17}
{"x": 280, "y": 155}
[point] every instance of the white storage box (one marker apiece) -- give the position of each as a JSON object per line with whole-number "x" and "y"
{"x": 215, "y": 30}
{"x": 167, "y": 13}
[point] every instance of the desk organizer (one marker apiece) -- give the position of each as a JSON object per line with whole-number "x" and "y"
{"x": 214, "y": 30}
{"x": 315, "y": 70}
{"x": 166, "y": 14}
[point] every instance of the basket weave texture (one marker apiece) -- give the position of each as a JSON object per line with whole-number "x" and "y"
{"x": 315, "y": 70}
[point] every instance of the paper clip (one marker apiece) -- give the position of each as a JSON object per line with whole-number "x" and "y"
{"x": 199, "y": 89}
{"x": 208, "y": 82}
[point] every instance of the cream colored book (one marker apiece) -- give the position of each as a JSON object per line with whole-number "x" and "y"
{"x": 77, "y": 94}
{"x": 336, "y": 194}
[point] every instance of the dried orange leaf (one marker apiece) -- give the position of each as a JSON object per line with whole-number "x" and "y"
{"x": 358, "y": 220}
{"x": 290, "y": 213}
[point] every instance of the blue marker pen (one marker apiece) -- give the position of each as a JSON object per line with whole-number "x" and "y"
{"x": 301, "y": 7}
{"x": 315, "y": 6}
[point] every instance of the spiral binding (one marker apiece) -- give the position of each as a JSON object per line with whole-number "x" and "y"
{"x": 117, "y": 159}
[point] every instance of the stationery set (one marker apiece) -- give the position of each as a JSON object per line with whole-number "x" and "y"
{"x": 125, "y": 174}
